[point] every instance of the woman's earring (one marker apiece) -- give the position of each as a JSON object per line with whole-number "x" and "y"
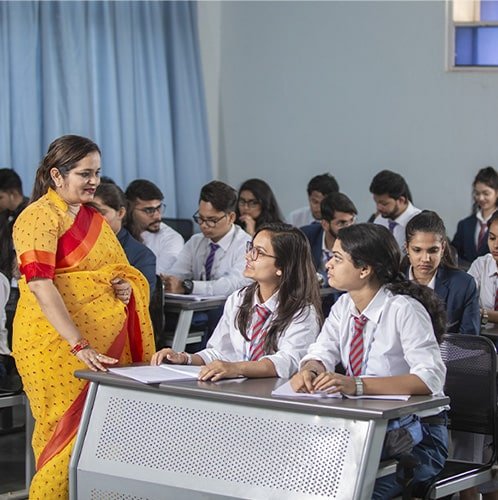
{"x": 279, "y": 272}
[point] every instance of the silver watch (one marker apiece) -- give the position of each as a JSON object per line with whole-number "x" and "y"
{"x": 359, "y": 386}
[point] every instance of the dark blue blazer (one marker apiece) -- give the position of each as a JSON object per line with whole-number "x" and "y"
{"x": 314, "y": 233}
{"x": 139, "y": 256}
{"x": 458, "y": 291}
{"x": 464, "y": 240}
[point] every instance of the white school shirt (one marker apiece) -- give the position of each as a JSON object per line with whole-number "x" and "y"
{"x": 301, "y": 217}
{"x": 401, "y": 222}
{"x": 4, "y": 297}
{"x": 228, "y": 265}
{"x": 398, "y": 340}
{"x": 484, "y": 270}
{"x": 228, "y": 344}
{"x": 166, "y": 244}
{"x": 431, "y": 284}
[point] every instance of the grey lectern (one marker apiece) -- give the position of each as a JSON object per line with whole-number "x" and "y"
{"x": 195, "y": 440}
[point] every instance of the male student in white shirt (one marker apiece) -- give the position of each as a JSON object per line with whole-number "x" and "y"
{"x": 212, "y": 262}
{"x": 145, "y": 223}
{"x": 393, "y": 202}
{"x": 318, "y": 188}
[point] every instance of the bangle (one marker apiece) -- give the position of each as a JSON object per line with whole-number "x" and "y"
{"x": 79, "y": 346}
{"x": 188, "y": 358}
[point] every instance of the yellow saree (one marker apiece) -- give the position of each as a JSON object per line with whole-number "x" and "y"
{"x": 81, "y": 255}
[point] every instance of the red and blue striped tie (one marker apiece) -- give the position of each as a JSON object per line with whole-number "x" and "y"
{"x": 258, "y": 333}
{"x": 356, "y": 352}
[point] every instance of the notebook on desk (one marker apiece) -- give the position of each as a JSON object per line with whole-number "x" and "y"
{"x": 157, "y": 374}
{"x": 193, "y": 297}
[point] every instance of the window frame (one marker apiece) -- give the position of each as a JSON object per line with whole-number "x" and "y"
{"x": 450, "y": 41}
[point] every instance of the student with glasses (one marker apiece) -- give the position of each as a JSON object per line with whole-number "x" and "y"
{"x": 256, "y": 205}
{"x": 211, "y": 262}
{"x": 266, "y": 326}
{"x": 144, "y": 222}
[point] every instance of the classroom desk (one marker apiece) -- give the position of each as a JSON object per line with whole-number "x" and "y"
{"x": 200, "y": 440}
{"x": 186, "y": 308}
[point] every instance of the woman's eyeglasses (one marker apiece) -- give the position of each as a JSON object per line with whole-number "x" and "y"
{"x": 152, "y": 210}
{"x": 248, "y": 203}
{"x": 208, "y": 222}
{"x": 255, "y": 252}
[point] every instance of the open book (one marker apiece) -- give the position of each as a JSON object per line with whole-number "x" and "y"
{"x": 286, "y": 391}
{"x": 193, "y": 297}
{"x": 157, "y": 374}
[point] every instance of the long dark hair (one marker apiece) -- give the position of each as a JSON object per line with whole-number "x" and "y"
{"x": 428, "y": 221}
{"x": 489, "y": 177}
{"x": 298, "y": 287}
{"x": 373, "y": 245}
{"x": 270, "y": 211}
{"x": 63, "y": 154}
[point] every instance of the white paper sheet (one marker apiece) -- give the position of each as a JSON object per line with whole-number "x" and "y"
{"x": 286, "y": 391}
{"x": 156, "y": 374}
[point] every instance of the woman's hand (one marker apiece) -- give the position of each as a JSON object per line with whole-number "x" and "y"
{"x": 122, "y": 289}
{"x": 175, "y": 358}
{"x": 303, "y": 381}
{"x": 333, "y": 382}
{"x": 250, "y": 224}
{"x": 216, "y": 370}
{"x": 94, "y": 360}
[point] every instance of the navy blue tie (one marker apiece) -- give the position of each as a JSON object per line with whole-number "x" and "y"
{"x": 210, "y": 260}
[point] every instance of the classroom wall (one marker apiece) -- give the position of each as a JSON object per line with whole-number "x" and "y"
{"x": 298, "y": 88}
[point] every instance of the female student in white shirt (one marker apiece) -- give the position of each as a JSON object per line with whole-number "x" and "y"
{"x": 267, "y": 326}
{"x": 396, "y": 350}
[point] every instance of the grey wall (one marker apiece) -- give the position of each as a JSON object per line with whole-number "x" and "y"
{"x": 350, "y": 87}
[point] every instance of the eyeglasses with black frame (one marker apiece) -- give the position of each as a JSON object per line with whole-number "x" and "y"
{"x": 248, "y": 203}
{"x": 208, "y": 222}
{"x": 152, "y": 210}
{"x": 255, "y": 252}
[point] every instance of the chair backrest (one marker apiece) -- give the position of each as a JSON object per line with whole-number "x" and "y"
{"x": 183, "y": 226}
{"x": 470, "y": 382}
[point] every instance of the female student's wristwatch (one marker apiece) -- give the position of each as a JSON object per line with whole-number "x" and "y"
{"x": 359, "y": 386}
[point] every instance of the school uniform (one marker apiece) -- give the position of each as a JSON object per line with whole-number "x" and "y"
{"x": 228, "y": 344}
{"x": 400, "y": 223}
{"x": 301, "y": 217}
{"x": 484, "y": 270}
{"x": 459, "y": 293}
{"x": 166, "y": 245}
{"x": 398, "y": 339}
{"x": 226, "y": 274}
{"x": 466, "y": 238}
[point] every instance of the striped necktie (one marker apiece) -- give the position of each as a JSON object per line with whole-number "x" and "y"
{"x": 258, "y": 333}
{"x": 356, "y": 351}
{"x": 482, "y": 234}
{"x": 496, "y": 296}
{"x": 210, "y": 259}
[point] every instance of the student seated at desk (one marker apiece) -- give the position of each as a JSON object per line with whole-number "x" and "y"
{"x": 471, "y": 235}
{"x": 267, "y": 326}
{"x": 484, "y": 270}
{"x": 429, "y": 262}
{"x": 381, "y": 331}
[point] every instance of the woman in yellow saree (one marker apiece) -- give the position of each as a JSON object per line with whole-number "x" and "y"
{"x": 81, "y": 304}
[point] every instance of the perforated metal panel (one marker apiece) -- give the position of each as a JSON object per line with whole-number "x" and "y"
{"x": 99, "y": 494}
{"x": 230, "y": 451}
{"x": 200, "y": 443}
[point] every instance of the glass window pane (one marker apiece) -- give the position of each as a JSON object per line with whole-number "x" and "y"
{"x": 476, "y": 46}
{"x": 489, "y": 10}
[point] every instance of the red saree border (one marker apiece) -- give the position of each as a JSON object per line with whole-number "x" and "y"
{"x": 75, "y": 244}
{"x": 68, "y": 425}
